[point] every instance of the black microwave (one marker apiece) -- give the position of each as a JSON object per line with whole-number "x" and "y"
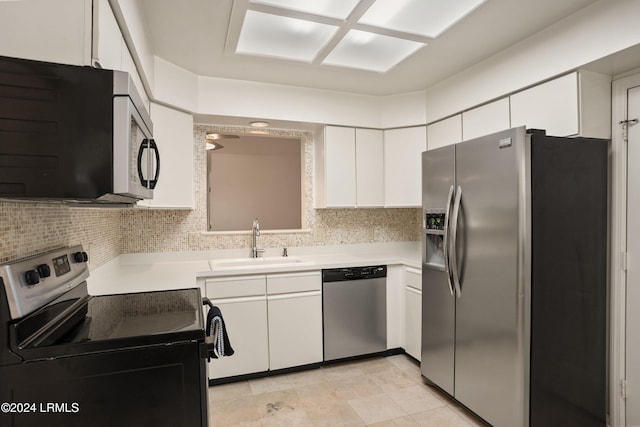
{"x": 76, "y": 134}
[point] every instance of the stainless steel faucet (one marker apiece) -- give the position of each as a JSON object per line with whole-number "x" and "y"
{"x": 256, "y": 232}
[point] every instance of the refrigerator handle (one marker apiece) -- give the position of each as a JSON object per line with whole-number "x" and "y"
{"x": 447, "y": 265}
{"x": 454, "y": 242}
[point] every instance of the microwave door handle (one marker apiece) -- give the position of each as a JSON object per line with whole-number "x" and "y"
{"x": 143, "y": 145}
{"x": 153, "y": 146}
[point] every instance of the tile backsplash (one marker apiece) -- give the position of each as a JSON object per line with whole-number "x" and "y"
{"x": 162, "y": 231}
{"x": 29, "y": 228}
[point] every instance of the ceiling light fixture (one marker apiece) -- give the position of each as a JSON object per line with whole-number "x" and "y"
{"x": 211, "y": 146}
{"x": 338, "y": 9}
{"x": 371, "y": 35}
{"x": 259, "y": 124}
{"x": 263, "y": 34}
{"x": 372, "y": 52}
{"x": 428, "y": 18}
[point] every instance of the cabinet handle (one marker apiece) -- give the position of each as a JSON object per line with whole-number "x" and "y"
{"x": 239, "y": 299}
{"x": 294, "y": 295}
{"x": 414, "y": 290}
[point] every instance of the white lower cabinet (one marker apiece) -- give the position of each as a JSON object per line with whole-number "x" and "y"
{"x": 294, "y": 304}
{"x": 413, "y": 312}
{"x": 274, "y": 321}
{"x": 243, "y": 303}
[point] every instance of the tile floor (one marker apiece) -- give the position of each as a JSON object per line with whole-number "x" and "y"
{"x": 382, "y": 391}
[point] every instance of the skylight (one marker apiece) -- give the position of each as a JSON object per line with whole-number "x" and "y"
{"x": 339, "y": 9}
{"x": 428, "y": 18}
{"x": 369, "y": 51}
{"x": 373, "y": 35}
{"x": 282, "y": 37}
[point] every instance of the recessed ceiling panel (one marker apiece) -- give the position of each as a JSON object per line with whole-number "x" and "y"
{"x": 272, "y": 35}
{"x": 339, "y": 9}
{"x": 369, "y": 51}
{"x": 428, "y": 18}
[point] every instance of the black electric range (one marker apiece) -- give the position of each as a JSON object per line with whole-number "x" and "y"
{"x": 71, "y": 359}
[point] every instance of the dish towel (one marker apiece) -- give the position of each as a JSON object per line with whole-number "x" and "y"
{"x": 217, "y": 329}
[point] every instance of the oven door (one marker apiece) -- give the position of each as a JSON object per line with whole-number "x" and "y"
{"x": 136, "y": 159}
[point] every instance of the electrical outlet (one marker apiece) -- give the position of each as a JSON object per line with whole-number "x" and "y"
{"x": 193, "y": 240}
{"x": 371, "y": 234}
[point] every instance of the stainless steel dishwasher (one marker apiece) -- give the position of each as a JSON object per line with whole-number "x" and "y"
{"x": 354, "y": 307}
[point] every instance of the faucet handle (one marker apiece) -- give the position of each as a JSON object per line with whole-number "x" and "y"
{"x": 284, "y": 252}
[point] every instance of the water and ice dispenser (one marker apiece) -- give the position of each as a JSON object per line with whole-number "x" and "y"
{"x": 434, "y": 225}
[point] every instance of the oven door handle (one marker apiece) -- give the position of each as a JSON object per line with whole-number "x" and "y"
{"x": 206, "y": 301}
{"x": 207, "y": 348}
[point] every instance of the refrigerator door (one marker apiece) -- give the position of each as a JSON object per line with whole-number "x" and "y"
{"x": 438, "y": 303}
{"x": 489, "y": 353}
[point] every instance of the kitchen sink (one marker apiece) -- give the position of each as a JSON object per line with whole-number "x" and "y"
{"x": 253, "y": 262}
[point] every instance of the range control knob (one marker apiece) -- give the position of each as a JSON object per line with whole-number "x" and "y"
{"x": 80, "y": 257}
{"x": 44, "y": 270}
{"x": 32, "y": 277}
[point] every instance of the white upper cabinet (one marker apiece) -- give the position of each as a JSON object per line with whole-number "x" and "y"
{"x": 575, "y": 104}
{"x": 552, "y": 106}
{"x": 486, "y": 119}
{"x": 369, "y": 168}
{"x": 339, "y": 168}
{"x": 45, "y": 30}
{"x": 349, "y": 168}
{"x": 402, "y": 166}
{"x": 108, "y": 44}
{"x": 173, "y": 133}
{"x": 445, "y": 132}
{"x": 110, "y": 51}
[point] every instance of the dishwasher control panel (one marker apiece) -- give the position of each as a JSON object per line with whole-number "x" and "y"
{"x": 354, "y": 273}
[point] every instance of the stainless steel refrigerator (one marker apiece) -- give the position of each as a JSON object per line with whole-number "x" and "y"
{"x": 515, "y": 288}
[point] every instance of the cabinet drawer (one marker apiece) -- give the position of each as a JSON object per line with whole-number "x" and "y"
{"x": 232, "y": 287}
{"x": 289, "y": 283}
{"x": 413, "y": 278}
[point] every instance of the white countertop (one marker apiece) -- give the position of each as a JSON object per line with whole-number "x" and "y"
{"x": 178, "y": 270}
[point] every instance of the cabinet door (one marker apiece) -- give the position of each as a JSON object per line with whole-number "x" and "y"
{"x": 486, "y": 119}
{"x": 295, "y": 319}
{"x": 245, "y": 319}
{"x": 369, "y": 168}
{"x": 173, "y": 132}
{"x": 340, "y": 166}
{"x": 413, "y": 322}
{"x": 403, "y": 166}
{"x": 243, "y": 303}
{"x": 413, "y": 312}
{"x": 445, "y": 132}
{"x": 107, "y": 39}
{"x": 44, "y": 30}
{"x": 552, "y": 106}
{"x": 295, "y": 329}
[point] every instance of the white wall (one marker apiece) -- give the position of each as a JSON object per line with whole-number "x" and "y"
{"x": 405, "y": 109}
{"x": 175, "y": 86}
{"x": 592, "y": 33}
{"x": 230, "y": 97}
{"x": 599, "y": 30}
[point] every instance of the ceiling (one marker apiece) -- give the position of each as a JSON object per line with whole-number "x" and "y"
{"x": 193, "y": 34}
